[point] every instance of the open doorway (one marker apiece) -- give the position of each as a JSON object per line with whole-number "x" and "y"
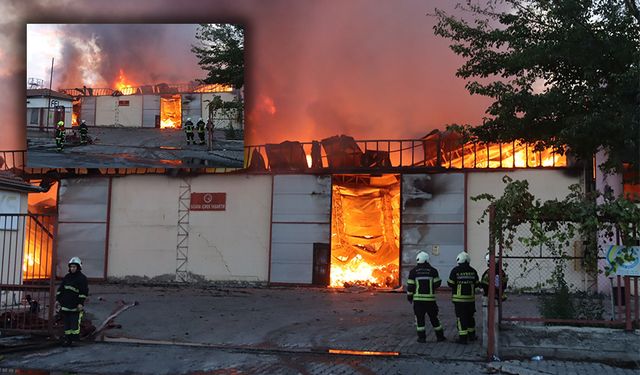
{"x": 39, "y": 234}
{"x": 365, "y": 231}
{"x": 170, "y": 111}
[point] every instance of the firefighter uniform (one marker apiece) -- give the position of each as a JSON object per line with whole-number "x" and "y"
{"x": 501, "y": 278}
{"x": 463, "y": 280}
{"x": 421, "y": 291}
{"x": 188, "y": 129}
{"x": 71, "y": 294}
{"x": 84, "y": 133}
{"x": 200, "y": 127}
{"x": 60, "y": 136}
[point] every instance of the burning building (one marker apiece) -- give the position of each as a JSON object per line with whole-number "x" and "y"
{"x": 153, "y": 106}
{"x": 336, "y": 212}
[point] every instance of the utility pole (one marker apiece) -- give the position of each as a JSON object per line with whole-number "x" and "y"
{"x": 49, "y": 94}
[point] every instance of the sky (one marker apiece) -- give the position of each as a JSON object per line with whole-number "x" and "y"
{"x": 372, "y": 69}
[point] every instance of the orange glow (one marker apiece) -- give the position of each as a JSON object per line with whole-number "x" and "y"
{"x": 74, "y": 119}
{"x": 362, "y": 352}
{"x": 365, "y": 231}
{"x": 38, "y": 246}
{"x": 267, "y": 105}
{"x": 213, "y": 88}
{"x": 170, "y": 111}
{"x": 309, "y": 161}
{"x": 124, "y": 85}
{"x": 505, "y": 155}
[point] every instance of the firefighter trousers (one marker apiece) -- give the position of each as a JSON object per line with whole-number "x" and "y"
{"x": 71, "y": 322}
{"x": 465, "y": 321}
{"x": 430, "y": 308}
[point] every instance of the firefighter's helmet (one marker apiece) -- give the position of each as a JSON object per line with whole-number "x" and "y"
{"x": 76, "y": 261}
{"x": 83, "y": 121}
{"x": 200, "y": 119}
{"x": 60, "y": 123}
{"x": 463, "y": 257}
{"x": 422, "y": 257}
{"x": 188, "y": 118}
{"x": 487, "y": 258}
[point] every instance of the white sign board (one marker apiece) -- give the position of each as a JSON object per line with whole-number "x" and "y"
{"x": 9, "y": 204}
{"x": 631, "y": 268}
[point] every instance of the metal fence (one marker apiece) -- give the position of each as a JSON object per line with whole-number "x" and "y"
{"x": 578, "y": 300}
{"x": 27, "y": 276}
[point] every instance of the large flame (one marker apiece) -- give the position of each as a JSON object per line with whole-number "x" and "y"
{"x": 38, "y": 246}
{"x": 170, "y": 111}
{"x": 365, "y": 231}
{"x": 358, "y": 272}
{"x": 123, "y": 84}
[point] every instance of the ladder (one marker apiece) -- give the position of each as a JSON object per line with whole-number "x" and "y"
{"x": 182, "y": 248}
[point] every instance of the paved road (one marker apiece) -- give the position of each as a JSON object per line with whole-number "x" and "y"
{"x": 143, "y": 148}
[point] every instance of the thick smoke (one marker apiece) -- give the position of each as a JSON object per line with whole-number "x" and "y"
{"x": 366, "y": 68}
{"x": 146, "y": 53}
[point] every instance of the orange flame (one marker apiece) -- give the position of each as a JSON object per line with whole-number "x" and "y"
{"x": 168, "y": 123}
{"x": 123, "y": 84}
{"x": 74, "y": 119}
{"x": 358, "y": 271}
{"x": 170, "y": 112}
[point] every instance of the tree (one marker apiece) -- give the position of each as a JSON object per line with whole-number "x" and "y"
{"x": 561, "y": 73}
{"x": 221, "y": 53}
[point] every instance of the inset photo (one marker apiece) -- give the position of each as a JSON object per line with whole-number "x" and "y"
{"x": 135, "y": 95}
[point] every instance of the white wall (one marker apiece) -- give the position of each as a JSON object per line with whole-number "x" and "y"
{"x": 12, "y": 244}
{"x": 223, "y": 245}
{"x": 109, "y": 113}
{"x": 44, "y": 102}
{"x": 543, "y": 184}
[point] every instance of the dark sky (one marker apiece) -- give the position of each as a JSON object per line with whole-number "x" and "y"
{"x": 371, "y": 69}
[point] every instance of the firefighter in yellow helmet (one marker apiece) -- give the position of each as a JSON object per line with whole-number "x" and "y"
{"x": 71, "y": 294}
{"x": 60, "y": 136}
{"x": 421, "y": 291}
{"x": 463, "y": 280}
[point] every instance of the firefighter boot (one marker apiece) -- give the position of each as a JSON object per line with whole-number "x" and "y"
{"x": 440, "y": 335}
{"x": 422, "y": 337}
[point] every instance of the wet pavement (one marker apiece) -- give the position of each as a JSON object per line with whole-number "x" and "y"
{"x": 222, "y": 330}
{"x": 124, "y": 147}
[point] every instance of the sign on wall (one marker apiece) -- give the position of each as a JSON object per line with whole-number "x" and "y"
{"x": 630, "y": 268}
{"x": 208, "y": 202}
{"x": 9, "y": 204}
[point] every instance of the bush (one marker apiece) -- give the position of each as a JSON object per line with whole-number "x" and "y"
{"x": 558, "y": 304}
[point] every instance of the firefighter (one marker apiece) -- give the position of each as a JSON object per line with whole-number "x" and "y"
{"x": 421, "y": 291}
{"x": 60, "y": 136}
{"x": 200, "y": 128}
{"x": 463, "y": 280}
{"x": 210, "y": 133}
{"x": 84, "y": 132}
{"x": 71, "y": 295}
{"x": 188, "y": 129}
{"x": 500, "y": 277}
